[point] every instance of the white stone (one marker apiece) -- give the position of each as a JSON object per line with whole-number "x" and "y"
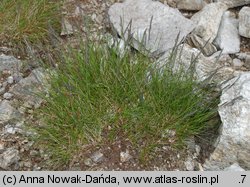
{"x": 154, "y": 26}
{"x": 237, "y": 63}
{"x": 234, "y": 3}
{"x": 125, "y": 156}
{"x": 8, "y": 129}
{"x": 7, "y": 95}
{"x": 228, "y": 38}
{"x": 10, "y": 80}
{"x": 234, "y": 110}
{"x": 189, "y": 163}
{"x": 244, "y": 25}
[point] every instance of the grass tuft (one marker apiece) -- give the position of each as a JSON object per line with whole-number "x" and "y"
{"x": 97, "y": 93}
{"x": 27, "y": 19}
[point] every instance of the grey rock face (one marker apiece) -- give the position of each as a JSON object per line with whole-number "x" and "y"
{"x": 245, "y": 57}
{"x": 9, "y": 63}
{"x": 208, "y": 21}
{"x": 28, "y": 88}
{"x": 228, "y": 38}
{"x": 234, "y": 167}
{"x": 190, "y": 4}
{"x": 237, "y": 63}
{"x": 206, "y": 47}
{"x": 189, "y": 163}
{"x": 204, "y": 66}
{"x": 97, "y": 157}
{"x": 67, "y": 28}
{"x": 234, "y": 110}
{"x": 152, "y": 26}
{"x": 244, "y": 25}
{"x": 234, "y": 3}
{"x": 118, "y": 44}
{"x": 7, "y": 112}
{"x": 9, "y": 157}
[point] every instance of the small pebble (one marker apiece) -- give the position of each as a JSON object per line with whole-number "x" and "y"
{"x": 10, "y": 80}
{"x": 1, "y": 147}
{"x": 237, "y": 63}
{"x": 97, "y": 157}
{"x": 7, "y": 95}
{"x": 125, "y": 156}
{"x": 2, "y": 90}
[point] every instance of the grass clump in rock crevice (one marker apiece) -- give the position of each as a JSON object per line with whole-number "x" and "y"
{"x": 94, "y": 90}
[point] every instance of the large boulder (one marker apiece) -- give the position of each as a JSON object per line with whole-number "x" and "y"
{"x": 234, "y": 3}
{"x": 228, "y": 38}
{"x": 152, "y": 26}
{"x": 234, "y": 109}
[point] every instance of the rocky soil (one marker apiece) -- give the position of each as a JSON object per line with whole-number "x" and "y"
{"x": 209, "y": 27}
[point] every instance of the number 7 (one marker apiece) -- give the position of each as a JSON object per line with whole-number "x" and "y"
{"x": 244, "y": 176}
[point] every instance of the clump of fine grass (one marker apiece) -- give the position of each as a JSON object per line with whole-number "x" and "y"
{"x": 27, "y": 19}
{"x": 94, "y": 89}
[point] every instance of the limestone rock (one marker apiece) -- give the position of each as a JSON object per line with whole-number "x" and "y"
{"x": 118, "y": 44}
{"x": 67, "y": 28}
{"x": 190, "y": 4}
{"x": 234, "y": 167}
{"x": 125, "y": 156}
{"x": 7, "y": 95}
{"x": 190, "y": 164}
{"x": 206, "y": 47}
{"x": 237, "y": 63}
{"x": 7, "y": 112}
{"x": 151, "y": 26}
{"x": 205, "y": 67}
{"x": 244, "y": 25}
{"x": 245, "y": 57}
{"x": 9, "y": 63}
{"x": 28, "y": 88}
{"x": 234, "y": 110}
{"x": 228, "y": 38}
{"x": 234, "y": 3}
{"x": 9, "y": 157}
{"x": 208, "y": 21}
{"x": 97, "y": 157}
